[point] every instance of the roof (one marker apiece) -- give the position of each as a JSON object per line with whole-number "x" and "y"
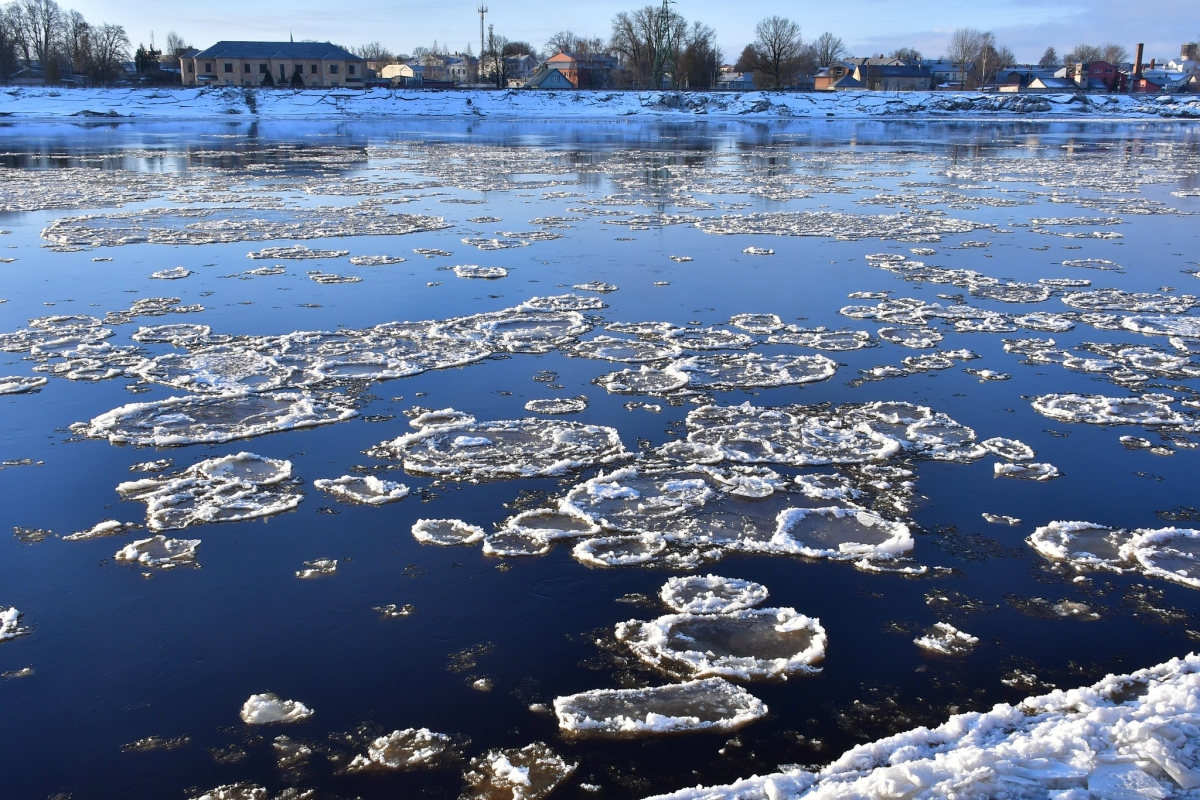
{"x": 846, "y": 82}
{"x": 1055, "y": 83}
{"x": 897, "y": 71}
{"x": 551, "y": 76}
{"x": 300, "y": 51}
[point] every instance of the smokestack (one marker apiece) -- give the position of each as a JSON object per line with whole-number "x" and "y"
{"x": 1152, "y": 63}
{"x": 1137, "y": 69}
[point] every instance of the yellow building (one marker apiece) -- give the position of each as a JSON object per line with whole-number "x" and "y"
{"x": 285, "y": 64}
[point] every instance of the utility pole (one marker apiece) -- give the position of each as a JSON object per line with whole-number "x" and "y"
{"x": 664, "y": 47}
{"x": 482, "y": 12}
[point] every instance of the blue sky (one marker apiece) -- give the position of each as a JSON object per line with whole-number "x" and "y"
{"x": 868, "y": 26}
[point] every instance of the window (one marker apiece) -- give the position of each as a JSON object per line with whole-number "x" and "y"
{"x": 298, "y": 69}
{"x": 262, "y": 69}
{"x": 350, "y": 69}
{"x": 191, "y": 66}
{"x": 208, "y": 66}
{"x": 282, "y": 74}
{"x": 245, "y": 67}
{"x": 312, "y": 69}
{"x": 333, "y": 69}
{"x": 229, "y": 67}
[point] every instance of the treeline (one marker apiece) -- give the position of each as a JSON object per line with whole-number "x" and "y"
{"x": 58, "y": 41}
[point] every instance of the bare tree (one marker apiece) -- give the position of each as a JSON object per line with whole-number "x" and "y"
{"x": 76, "y": 36}
{"x": 519, "y": 48}
{"x": 1005, "y": 57}
{"x": 777, "y": 47}
{"x": 176, "y": 45}
{"x": 492, "y": 62}
{"x": 109, "y": 48}
{"x": 373, "y": 51}
{"x": 1049, "y": 58}
{"x": 9, "y": 43}
{"x": 906, "y": 54}
{"x": 1083, "y": 52}
{"x": 828, "y": 50}
{"x": 41, "y": 24}
{"x": 562, "y": 42}
{"x": 1113, "y": 53}
{"x": 638, "y": 36}
{"x": 698, "y": 59}
{"x": 963, "y": 49}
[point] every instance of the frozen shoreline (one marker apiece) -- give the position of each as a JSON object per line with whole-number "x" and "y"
{"x": 30, "y": 104}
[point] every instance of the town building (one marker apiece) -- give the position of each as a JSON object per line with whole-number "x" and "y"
{"x": 549, "y": 78}
{"x": 730, "y": 81}
{"x": 584, "y": 70}
{"x": 288, "y": 64}
{"x": 1096, "y": 76}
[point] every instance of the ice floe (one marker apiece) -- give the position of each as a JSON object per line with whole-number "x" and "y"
{"x": 711, "y": 594}
{"x": 701, "y": 705}
{"x": 753, "y": 644}
{"x": 19, "y": 384}
{"x": 226, "y": 489}
{"x": 527, "y": 773}
{"x": 460, "y": 448}
{"x": 366, "y": 489}
{"x": 401, "y": 750}
{"x": 472, "y": 271}
{"x": 268, "y": 708}
{"x": 215, "y": 419}
{"x": 173, "y": 274}
{"x": 446, "y": 532}
{"x": 160, "y": 552}
{"x": 558, "y": 405}
{"x": 10, "y": 624}
{"x": 946, "y": 639}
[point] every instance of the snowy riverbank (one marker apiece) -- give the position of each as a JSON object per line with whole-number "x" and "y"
{"x": 20, "y": 103}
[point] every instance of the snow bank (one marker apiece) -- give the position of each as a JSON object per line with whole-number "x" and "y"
{"x": 1127, "y": 736}
{"x": 230, "y": 102}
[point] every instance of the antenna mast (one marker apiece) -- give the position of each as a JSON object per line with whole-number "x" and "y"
{"x": 664, "y": 47}
{"x": 483, "y": 10}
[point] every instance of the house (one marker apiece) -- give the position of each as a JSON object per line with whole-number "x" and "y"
{"x": 1143, "y": 85}
{"x": 946, "y": 73}
{"x": 456, "y": 69}
{"x": 730, "y": 81}
{"x": 1052, "y": 85}
{"x": 292, "y": 64}
{"x": 549, "y": 78}
{"x": 826, "y": 77}
{"x": 518, "y": 69}
{"x": 894, "y": 78}
{"x": 584, "y": 70}
{"x": 1096, "y": 76}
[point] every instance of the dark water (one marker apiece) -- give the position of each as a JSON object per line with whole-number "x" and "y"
{"x": 118, "y": 657}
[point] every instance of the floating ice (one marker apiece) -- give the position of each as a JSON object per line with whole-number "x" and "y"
{"x": 363, "y": 489}
{"x": 173, "y": 274}
{"x": 1029, "y": 470}
{"x": 841, "y": 534}
{"x": 223, "y": 418}
{"x": 1137, "y": 302}
{"x": 757, "y": 323}
{"x": 1083, "y": 544}
{"x": 1101, "y": 410}
{"x": 702, "y": 705}
{"x": 226, "y": 489}
{"x": 235, "y": 791}
{"x": 753, "y": 370}
{"x": 754, "y": 644}
{"x": 1000, "y": 519}
{"x": 916, "y": 338}
{"x": 946, "y": 639}
{"x": 821, "y": 339}
{"x": 558, "y": 405}
{"x": 529, "y": 773}
{"x": 759, "y": 251}
{"x": 160, "y": 552}
{"x": 610, "y": 348}
{"x": 1009, "y": 449}
{"x": 10, "y": 624}
{"x": 446, "y": 532}
{"x": 376, "y": 261}
{"x": 19, "y": 384}
{"x": 1169, "y": 553}
{"x": 511, "y": 448}
{"x": 711, "y": 594}
{"x": 471, "y": 271}
{"x": 317, "y": 567}
{"x": 903, "y": 227}
{"x": 595, "y": 286}
{"x": 411, "y": 748}
{"x": 109, "y": 527}
{"x": 298, "y": 251}
{"x": 268, "y": 708}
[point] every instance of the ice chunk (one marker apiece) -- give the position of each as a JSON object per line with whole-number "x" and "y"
{"x": 411, "y": 748}
{"x": 842, "y": 534}
{"x": 298, "y": 251}
{"x": 558, "y": 405}
{"x": 363, "y": 489}
{"x": 268, "y": 708}
{"x": 1170, "y": 553}
{"x": 1009, "y": 449}
{"x": 1000, "y": 519}
{"x": 173, "y": 274}
{"x": 160, "y": 552}
{"x": 10, "y": 624}
{"x": 221, "y": 418}
{"x": 702, "y": 705}
{"x": 1083, "y": 544}
{"x": 109, "y": 527}
{"x": 759, "y": 251}
{"x": 821, "y": 339}
{"x": 946, "y": 639}
{"x": 754, "y": 644}
{"x": 235, "y": 791}
{"x": 1029, "y": 470}
{"x": 225, "y": 489}
{"x": 472, "y": 271}
{"x": 645, "y": 380}
{"x": 509, "y": 448}
{"x": 446, "y": 532}
{"x": 528, "y": 773}
{"x": 757, "y": 323}
{"x": 19, "y": 384}
{"x": 595, "y": 286}
{"x": 1101, "y": 410}
{"x": 916, "y": 338}
{"x": 711, "y": 594}
{"x": 620, "y": 551}
{"x": 376, "y": 261}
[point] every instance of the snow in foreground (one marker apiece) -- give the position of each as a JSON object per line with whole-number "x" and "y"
{"x": 1128, "y": 736}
